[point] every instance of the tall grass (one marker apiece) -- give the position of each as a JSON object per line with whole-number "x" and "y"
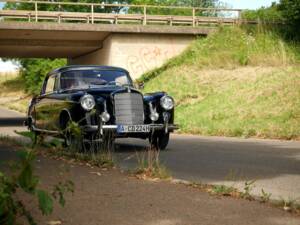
{"x": 4, "y": 76}
{"x": 232, "y": 47}
{"x": 12, "y": 93}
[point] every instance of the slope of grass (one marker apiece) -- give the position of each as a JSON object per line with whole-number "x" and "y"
{"x": 234, "y": 84}
{"x": 12, "y": 95}
{"x": 231, "y": 48}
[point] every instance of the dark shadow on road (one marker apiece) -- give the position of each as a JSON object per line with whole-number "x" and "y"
{"x": 11, "y": 121}
{"x": 129, "y": 148}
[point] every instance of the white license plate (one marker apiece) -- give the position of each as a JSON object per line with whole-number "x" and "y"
{"x": 133, "y": 129}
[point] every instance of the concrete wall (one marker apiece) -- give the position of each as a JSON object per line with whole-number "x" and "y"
{"x": 138, "y": 53}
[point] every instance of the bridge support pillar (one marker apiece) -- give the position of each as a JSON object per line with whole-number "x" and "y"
{"x": 138, "y": 53}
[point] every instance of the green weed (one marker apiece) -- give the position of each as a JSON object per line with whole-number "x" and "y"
{"x": 249, "y": 185}
{"x": 265, "y": 197}
{"x": 289, "y": 204}
{"x": 223, "y": 190}
{"x": 149, "y": 165}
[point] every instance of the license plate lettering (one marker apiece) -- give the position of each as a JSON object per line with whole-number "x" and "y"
{"x": 133, "y": 129}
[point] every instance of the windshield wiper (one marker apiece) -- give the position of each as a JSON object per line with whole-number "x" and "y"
{"x": 117, "y": 84}
{"x": 98, "y": 83}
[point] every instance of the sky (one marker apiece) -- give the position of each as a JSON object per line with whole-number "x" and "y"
{"x": 237, "y": 4}
{"x": 249, "y": 4}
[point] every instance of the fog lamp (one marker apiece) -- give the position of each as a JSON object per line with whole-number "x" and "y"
{"x": 154, "y": 116}
{"x": 105, "y": 117}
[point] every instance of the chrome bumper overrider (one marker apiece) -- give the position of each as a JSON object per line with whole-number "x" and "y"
{"x": 93, "y": 128}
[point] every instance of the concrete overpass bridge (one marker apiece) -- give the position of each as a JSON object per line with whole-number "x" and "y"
{"x": 136, "y": 39}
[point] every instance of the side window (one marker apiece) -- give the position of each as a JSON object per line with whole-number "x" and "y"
{"x": 50, "y": 86}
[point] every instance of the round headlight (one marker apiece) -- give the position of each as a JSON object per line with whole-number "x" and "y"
{"x": 87, "y": 102}
{"x": 167, "y": 102}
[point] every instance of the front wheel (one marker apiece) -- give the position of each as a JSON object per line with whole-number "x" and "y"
{"x": 72, "y": 140}
{"x": 108, "y": 141}
{"x": 159, "y": 140}
{"x": 95, "y": 142}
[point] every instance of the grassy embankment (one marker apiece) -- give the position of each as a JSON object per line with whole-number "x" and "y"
{"x": 12, "y": 94}
{"x": 234, "y": 84}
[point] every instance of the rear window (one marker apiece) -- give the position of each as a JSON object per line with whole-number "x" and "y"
{"x": 50, "y": 86}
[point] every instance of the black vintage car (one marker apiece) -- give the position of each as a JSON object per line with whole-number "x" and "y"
{"x": 104, "y": 103}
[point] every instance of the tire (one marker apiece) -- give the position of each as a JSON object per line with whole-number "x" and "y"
{"x": 108, "y": 142}
{"x": 159, "y": 140}
{"x": 71, "y": 141}
{"x": 94, "y": 142}
{"x": 36, "y": 136}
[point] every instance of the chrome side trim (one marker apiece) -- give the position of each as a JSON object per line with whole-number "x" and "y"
{"x": 45, "y": 131}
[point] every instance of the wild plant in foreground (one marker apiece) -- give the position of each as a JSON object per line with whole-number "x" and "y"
{"x": 24, "y": 180}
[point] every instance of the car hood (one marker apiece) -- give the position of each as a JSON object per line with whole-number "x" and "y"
{"x": 104, "y": 92}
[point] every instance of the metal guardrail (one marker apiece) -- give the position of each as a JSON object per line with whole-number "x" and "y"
{"x": 142, "y": 14}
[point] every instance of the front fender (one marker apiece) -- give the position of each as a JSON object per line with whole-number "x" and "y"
{"x": 155, "y": 96}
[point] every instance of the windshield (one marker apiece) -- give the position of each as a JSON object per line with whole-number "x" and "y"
{"x": 80, "y": 79}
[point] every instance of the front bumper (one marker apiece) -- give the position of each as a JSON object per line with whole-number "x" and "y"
{"x": 153, "y": 127}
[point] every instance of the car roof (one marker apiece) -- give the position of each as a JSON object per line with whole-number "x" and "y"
{"x": 85, "y": 67}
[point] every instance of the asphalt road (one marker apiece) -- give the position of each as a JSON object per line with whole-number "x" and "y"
{"x": 274, "y": 165}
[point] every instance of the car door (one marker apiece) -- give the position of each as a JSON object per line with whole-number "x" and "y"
{"x": 43, "y": 106}
{"x": 57, "y": 102}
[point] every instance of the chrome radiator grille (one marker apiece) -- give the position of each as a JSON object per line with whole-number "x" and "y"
{"x": 129, "y": 108}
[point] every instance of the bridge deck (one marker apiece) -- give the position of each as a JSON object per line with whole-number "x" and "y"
{"x": 61, "y": 32}
{"x": 44, "y": 39}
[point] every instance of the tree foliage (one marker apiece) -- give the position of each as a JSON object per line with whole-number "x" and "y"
{"x": 264, "y": 14}
{"x": 114, "y": 9}
{"x": 290, "y": 10}
{"x": 286, "y": 11}
{"x": 68, "y": 8}
{"x": 180, "y": 3}
{"x": 33, "y": 71}
{"x": 190, "y": 3}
